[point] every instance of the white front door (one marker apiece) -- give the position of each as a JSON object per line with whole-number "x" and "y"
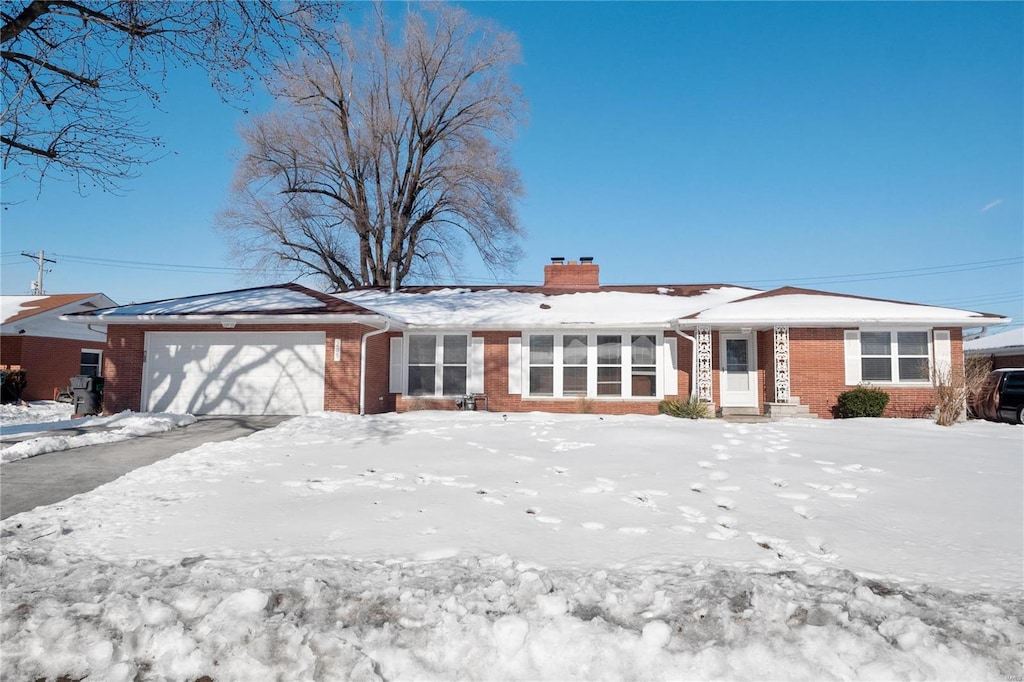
{"x": 738, "y": 369}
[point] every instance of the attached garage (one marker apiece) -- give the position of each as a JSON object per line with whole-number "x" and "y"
{"x": 229, "y": 372}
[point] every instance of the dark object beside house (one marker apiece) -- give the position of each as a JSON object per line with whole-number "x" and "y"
{"x": 12, "y": 385}
{"x": 1001, "y": 397}
{"x": 88, "y": 392}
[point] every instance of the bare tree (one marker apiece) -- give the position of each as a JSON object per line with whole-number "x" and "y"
{"x": 385, "y": 151}
{"x": 75, "y": 72}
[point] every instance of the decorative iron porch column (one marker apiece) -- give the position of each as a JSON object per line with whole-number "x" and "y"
{"x": 703, "y": 368}
{"x": 781, "y": 364}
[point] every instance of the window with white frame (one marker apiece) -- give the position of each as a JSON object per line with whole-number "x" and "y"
{"x": 643, "y": 350}
{"x": 894, "y": 356}
{"x": 438, "y": 364}
{"x": 91, "y": 363}
{"x": 575, "y": 365}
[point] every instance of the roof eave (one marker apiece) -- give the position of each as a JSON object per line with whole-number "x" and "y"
{"x": 690, "y": 322}
{"x": 371, "y": 320}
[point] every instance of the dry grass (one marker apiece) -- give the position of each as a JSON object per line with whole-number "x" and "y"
{"x": 950, "y": 396}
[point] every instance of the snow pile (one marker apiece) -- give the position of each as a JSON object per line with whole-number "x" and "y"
{"x": 12, "y": 306}
{"x": 252, "y": 618}
{"x": 40, "y": 415}
{"x": 121, "y": 426}
{"x": 532, "y": 546}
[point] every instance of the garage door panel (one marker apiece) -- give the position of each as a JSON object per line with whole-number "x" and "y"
{"x": 235, "y": 372}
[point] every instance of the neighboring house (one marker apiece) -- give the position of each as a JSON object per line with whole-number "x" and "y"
{"x": 1005, "y": 349}
{"x": 568, "y": 345}
{"x": 50, "y": 350}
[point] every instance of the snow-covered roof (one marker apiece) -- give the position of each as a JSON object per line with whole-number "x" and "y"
{"x": 42, "y": 315}
{"x": 499, "y": 308}
{"x": 806, "y": 307}
{"x": 17, "y": 308}
{"x": 279, "y": 299}
{"x": 1009, "y": 341}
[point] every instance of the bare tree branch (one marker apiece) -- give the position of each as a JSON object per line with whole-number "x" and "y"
{"x": 75, "y": 73}
{"x": 384, "y": 152}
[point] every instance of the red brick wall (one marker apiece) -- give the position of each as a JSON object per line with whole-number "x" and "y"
{"x": 10, "y": 351}
{"x": 123, "y": 363}
{"x": 48, "y": 363}
{"x": 817, "y": 360}
{"x": 1002, "y": 361}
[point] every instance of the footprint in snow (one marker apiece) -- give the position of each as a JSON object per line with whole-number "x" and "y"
{"x": 683, "y": 529}
{"x": 728, "y": 488}
{"x": 722, "y": 533}
{"x": 692, "y": 515}
{"x": 697, "y": 487}
{"x": 804, "y": 511}
{"x": 718, "y": 476}
{"x": 793, "y": 496}
{"x": 559, "y": 470}
{"x": 704, "y": 464}
{"x": 819, "y": 486}
{"x": 823, "y": 461}
{"x": 831, "y": 470}
{"x": 725, "y": 503}
{"x": 723, "y": 456}
{"x": 493, "y": 500}
{"x": 779, "y": 483}
{"x": 634, "y": 530}
{"x": 843, "y": 495}
{"x": 719, "y": 446}
{"x": 527, "y": 492}
{"x": 550, "y": 520}
{"x": 593, "y": 525}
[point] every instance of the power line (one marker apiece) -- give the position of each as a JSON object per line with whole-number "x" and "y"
{"x": 895, "y": 274}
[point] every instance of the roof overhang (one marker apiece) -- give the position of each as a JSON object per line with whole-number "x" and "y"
{"x": 692, "y": 323}
{"x": 230, "y": 320}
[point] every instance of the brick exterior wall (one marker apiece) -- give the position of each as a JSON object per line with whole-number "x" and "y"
{"x": 49, "y": 363}
{"x": 10, "y": 351}
{"x": 1003, "y": 361}
{"x": 123, "y": 363}
{"x": 818, "y": 374}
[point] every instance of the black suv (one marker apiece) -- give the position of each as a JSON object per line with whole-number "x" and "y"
{"x": 1001, "y": 397}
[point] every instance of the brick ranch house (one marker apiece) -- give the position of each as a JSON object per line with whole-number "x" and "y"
{"x": 567, "y": 345}
{"x": 51, "y": 351}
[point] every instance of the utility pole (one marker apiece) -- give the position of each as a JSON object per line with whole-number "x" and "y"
{"x": 37, "y": 286}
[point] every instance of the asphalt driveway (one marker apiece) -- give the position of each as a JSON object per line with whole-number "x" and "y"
{"x": 46, "y": 479}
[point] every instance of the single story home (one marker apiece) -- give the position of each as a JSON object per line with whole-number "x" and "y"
{"x": 571, "y": 344}
{"x": 33, "y": 337}
{"x": 1004, "y": 349}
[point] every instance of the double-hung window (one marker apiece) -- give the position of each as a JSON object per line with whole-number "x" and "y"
{"x": 894, "y": 356}
{"x": 438, "y": 364}
{"x": 90, "y": 363}
{"x": 643, "y": 350}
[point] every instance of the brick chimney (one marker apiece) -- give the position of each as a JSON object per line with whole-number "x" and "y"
{"x": 572, "y": 275}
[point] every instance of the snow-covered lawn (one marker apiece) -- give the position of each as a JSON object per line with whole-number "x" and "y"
{"x": 37, "y": 418}
{"x": 531, "y": 546}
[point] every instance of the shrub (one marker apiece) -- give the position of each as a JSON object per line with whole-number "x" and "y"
{"x": 693, "y": 408}
{"x": 862, "y": 402}
{"x": 950, "y": 396}
{"x": 14, "y": 383}
{"x": 584, "y": 405}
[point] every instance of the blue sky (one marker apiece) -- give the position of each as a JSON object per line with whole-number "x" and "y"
{"x": 867, "y": 148}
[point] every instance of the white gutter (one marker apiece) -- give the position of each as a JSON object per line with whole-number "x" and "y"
{"x": 362, "y": 365}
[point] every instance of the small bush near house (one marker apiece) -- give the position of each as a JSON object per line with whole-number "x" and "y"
{"x": 14, "y": 383}
{"x": 862, "y": 402}
{"x": 950, "y": 396}
{"x": 584, "y": 405}
{"x": 691, "y": 409}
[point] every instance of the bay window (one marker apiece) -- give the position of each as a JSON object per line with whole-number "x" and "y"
{"x": 596, "y": 365}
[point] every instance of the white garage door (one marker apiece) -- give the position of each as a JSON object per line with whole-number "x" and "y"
{"x": 234, "y": 372}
